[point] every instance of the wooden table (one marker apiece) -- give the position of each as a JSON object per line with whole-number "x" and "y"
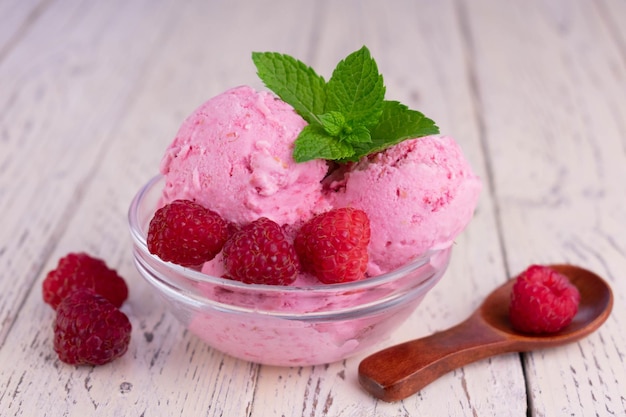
{"x": 91, "y": 93}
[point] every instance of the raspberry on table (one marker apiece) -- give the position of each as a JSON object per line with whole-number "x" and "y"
{"x": 186, "y": 233}
{"x": 81, "y": 270}
{"x": 89, "y": 330}
{"x": 260, "y": 253}
{"x": 542, "y": 301}
{"x": 333, "y": 245}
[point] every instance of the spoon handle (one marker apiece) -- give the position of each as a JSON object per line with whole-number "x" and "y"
{"x": 399, "y": 371}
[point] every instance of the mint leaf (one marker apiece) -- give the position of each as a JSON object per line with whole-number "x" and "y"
{"x": 357, "y": 135}
{"x": 294, "y": 82}
{"x": 313, "y": 143}
{"x": 397, "y": 123}
{"x": 348, "y": 116}
{"x": 333, "y": 122}
{"x": 356, "y": 89}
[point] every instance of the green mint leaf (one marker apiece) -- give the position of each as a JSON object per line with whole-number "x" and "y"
{"x": 293, "y": 81}
{"x": 397, "y": 123}
{"x": 313, "y": 143}
{"x": 348, "y": 116}
{"x": 357, "y": 135}
{"x": 356, "y": 89}
{"x": 333, "y": 122}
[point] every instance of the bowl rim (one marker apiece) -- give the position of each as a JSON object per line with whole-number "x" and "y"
{"x": 139, "y": 239}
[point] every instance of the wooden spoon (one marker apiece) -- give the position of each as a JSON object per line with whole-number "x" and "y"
{"x": 399, "y": 371}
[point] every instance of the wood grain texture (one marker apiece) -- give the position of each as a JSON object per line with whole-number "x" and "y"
{"x": 557, "y": 147}
{"x": 91, "y": 93}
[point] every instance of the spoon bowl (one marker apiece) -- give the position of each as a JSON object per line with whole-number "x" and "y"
{"x": 401, "y": 370}
{"x": 595, "y": 306}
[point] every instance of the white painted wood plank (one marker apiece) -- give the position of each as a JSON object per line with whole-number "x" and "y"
{"x": 61, "y": 95}
{"x": 612, "y": 13}
{"x": 555, "y": 116}
{"x": 16, "y": 17}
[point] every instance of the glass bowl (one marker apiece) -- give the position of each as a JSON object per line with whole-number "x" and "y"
{"x": 282, "y": 325}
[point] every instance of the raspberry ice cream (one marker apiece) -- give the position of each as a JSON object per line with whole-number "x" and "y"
{"x": 233, "y": 154}
{"x": 419, "y": 195}
{"x": 307, "y": 323}
{"x": 236, "y": 155}
{"x": 310, "y": 324}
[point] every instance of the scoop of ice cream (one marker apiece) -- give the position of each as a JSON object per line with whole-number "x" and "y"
{"x": 419, "y": 195}
{"x": 234, "y": 155}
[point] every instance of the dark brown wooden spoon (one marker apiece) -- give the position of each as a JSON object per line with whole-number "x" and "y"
{"x": 400, "y": 371}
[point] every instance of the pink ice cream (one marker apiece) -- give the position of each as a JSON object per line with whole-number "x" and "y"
{"x": 419, "y": 195}
{"x": 349, "y": 319}
{"x": 234, "y": 155}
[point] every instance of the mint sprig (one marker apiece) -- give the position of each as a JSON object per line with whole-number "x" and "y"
{"x": 348, "y": 116}
{"x": 294, "y": 82}
{"x": 356, "y": 89}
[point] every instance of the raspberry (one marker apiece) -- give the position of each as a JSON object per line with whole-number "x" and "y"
{"x": 259, "y": 253}
{"x": 89, "y": 330}
{"x": 186, "y": 233}
{"x": 80, "y": 270}
{"x": 542, "y": 301}
{"x": 333, "y": 245}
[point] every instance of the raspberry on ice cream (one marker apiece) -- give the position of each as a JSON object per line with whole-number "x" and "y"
{"x": 259, "y": 253}
{"x": 333, "y": 245}
{"x": 542, "y": 301}
{"x": 186, "y": 233}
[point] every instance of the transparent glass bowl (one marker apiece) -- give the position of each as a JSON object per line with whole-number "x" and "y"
{"x": 282, "y": 325}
